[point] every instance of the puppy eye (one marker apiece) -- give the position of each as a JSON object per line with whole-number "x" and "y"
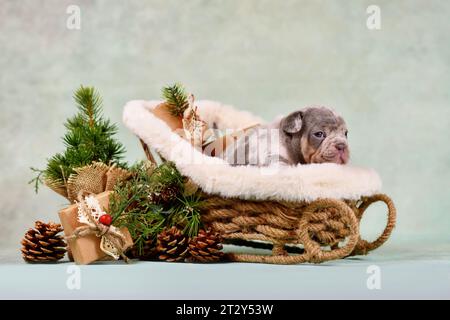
{"x": 346, "y": 134}
{"x": 319, "y": 134}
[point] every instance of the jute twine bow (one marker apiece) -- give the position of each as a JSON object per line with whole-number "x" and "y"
{"x": 108, "y": 233}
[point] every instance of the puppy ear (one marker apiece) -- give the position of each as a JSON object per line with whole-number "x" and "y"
{"x": 292, "y": 123}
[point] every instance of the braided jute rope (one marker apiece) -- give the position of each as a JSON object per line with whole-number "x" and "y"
{"x": 318, "y": 225}
{"x": 363, "y": 247}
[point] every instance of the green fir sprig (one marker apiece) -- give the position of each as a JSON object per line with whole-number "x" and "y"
{"x": 89, "y": 138}
{"x": 131, "y": 207}
{"x": 187, "y": 215}
{"x": 176, "y": 99}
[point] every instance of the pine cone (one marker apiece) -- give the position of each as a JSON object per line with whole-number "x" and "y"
{"x": 206, "y": 247}
{"x": 166, "y": 195}
{"x": 172, "y": 245}
{"x": 148, "y": 251}
{"x": 43, "y": 244}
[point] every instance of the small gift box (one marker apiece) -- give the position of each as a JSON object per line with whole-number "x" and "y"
{"x": 89, "y": 239}
{"x": 162, "y": 111}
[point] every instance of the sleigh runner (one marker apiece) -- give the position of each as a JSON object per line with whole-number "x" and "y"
{"x": 308, "y": 213}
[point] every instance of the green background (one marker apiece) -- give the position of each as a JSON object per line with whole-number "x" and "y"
{"x": 271, "y": 57}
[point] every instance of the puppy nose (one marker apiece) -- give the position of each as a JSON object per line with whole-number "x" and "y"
{"x": 341, "y": 146}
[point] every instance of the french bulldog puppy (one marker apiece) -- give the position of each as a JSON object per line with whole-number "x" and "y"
{"x": 310, "y": 135}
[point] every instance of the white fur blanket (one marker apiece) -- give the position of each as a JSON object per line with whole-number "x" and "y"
{"x": 215, "y": 176}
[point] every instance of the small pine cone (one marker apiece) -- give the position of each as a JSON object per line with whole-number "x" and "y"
{"x": 172, "y": 245}
{"x": 206, "y": 247}
{"x": 165, "y": 195}
{"x": 148, "y": 251}
{"x": 43, "y": 243}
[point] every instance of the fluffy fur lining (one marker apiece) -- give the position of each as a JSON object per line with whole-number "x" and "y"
{"x": 215, "y": 176}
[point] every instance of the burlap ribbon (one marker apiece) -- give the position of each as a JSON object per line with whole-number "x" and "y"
{"x": 113, "y": 241}
{"x": 91, "y": 179}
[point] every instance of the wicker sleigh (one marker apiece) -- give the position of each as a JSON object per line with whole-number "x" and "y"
{"x": 314, "y": 219}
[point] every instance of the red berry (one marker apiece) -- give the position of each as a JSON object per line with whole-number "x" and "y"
{"x": 105, "y": 219}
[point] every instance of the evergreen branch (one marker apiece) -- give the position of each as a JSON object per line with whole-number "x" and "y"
{"x": 89, "y": 103}
{"x": 131, "y": 206}
{"x": 193, "y": 224}
{"x": 166, "y": 175}
{"x": 176, "y": 98}
{"x": 36, "y": 181}
{"x": 187, "y": 215}
{"x": 89, "y": 138}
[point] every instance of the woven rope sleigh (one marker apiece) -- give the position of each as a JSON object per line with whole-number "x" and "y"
{"x": 306, "y": 213}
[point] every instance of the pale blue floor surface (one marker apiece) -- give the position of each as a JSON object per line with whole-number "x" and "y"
{"x": 405, "y": 273}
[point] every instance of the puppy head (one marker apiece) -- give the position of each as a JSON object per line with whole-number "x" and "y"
{"x": 316, "y": 135}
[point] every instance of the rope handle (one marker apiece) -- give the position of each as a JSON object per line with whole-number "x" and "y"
{"x": 364, "y": 246}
